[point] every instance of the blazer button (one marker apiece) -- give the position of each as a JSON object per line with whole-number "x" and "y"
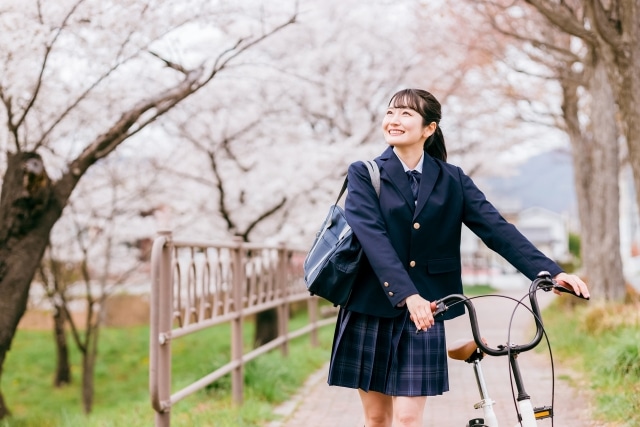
{"x": 386, "y": 284}
{"x": 412, "y": 263}
{"x": 390, "y": 294}
{"x": 416, "y": 225}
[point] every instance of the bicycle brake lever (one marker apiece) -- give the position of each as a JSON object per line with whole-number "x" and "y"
{"x": 438, "y": 307}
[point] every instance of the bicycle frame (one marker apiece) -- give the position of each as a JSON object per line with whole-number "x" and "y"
{"x": 528, "y": 414}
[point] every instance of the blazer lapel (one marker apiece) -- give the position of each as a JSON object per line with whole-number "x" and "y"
{"x": 395, "y": 173}
{"x": 430, "y": 171}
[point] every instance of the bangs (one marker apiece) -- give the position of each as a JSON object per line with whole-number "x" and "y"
{"x": 407, "y": 99}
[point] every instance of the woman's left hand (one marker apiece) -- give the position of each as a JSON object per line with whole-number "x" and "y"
{"x": 573, "y": 282}
{"x": 420, "y": 312}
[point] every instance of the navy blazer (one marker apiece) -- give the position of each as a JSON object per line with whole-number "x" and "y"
{"x": 415, "y": 248}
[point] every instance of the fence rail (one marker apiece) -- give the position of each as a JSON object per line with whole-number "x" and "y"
{"x": 200, "y": 284}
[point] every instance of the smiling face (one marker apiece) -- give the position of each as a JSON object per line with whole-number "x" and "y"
{"x": 404, "y": 127}
{"x": 412, "y": 126}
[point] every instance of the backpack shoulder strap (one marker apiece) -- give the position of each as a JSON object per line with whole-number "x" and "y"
{"x": 374, "y": 171}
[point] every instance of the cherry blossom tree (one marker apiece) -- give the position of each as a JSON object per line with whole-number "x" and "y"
{"x": 610, "y": 29}
{"x": 610, "y": 36}
{"x": 265, "y": 130}
{"x": 80, "y": 77}
{"x": 96, "y": 249}
{"x": 268, "y": 162}
{"x": 311, "y": 102}
{"x": 587, "y": 115}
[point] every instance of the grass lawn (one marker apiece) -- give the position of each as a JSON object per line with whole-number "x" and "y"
{"x": 122, "y": 378}
{"x": 602, "y": 342}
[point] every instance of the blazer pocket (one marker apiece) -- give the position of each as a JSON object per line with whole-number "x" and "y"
{"x": 443, "y": 265}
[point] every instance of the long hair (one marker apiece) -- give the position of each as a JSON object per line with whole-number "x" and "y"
{"x": 429, "y": 108}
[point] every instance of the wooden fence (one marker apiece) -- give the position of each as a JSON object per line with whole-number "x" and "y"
{"x": 197, "y": 285}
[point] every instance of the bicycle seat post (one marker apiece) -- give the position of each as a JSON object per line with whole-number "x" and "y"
{"x": 486, "y": 403}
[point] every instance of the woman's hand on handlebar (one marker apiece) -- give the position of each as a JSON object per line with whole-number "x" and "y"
{"x": 420, "y": 312}
{"x": 571, "y": 281}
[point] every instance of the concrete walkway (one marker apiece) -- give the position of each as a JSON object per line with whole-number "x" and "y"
{"x": 319, "y": 405}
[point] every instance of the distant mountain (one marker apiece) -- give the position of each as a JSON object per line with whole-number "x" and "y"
{"x": 545, "y": 180}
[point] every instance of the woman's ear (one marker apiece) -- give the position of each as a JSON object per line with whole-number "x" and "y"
{"x": 429, "y": 130}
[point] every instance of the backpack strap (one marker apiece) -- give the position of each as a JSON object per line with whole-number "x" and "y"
{"x": 374, "y": 173}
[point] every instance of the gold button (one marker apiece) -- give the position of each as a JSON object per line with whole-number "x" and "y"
{"x": 386, "y": 284}
{"x": 390, "y": 294}
{"x": 412, "y": 263}
{"x": 416, "y": 225}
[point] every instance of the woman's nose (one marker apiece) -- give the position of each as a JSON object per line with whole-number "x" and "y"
{"x": 393, "y": 118}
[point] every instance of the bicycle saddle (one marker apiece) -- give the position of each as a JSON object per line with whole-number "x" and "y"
{"x": 465, "y": 349}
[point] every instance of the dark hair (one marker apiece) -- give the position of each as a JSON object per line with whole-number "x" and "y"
{"x": 429, "y": 108}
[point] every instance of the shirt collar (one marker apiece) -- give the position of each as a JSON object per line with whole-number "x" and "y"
{"x": 418, "y": 167}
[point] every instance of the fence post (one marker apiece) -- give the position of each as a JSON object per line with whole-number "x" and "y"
{"x": 160, "y": 329}
{"x": 239, "y": 284}
{"x": 312, "y": 307}
{"x": 283, "y": 307}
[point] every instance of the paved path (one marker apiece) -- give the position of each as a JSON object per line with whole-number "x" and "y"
{"x": 318, "y": 405}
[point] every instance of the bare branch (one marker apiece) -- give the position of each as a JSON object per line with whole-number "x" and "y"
{"x": 264, "y": 215}
{"x": 227, "y": 140}
{"x": 70, "y": 107}
{"x": 608, "y": 27}
{"x": 148, "y": 110}
{"x": 562, "y": 16}
{"x": 241, "y": 47}
{"x": 13, "y": 130}
{"x": 96, "y": 83}
{"x": 47, "y": 52}
{"x": 222, "y": 206}
{"x": 170, "y": 63}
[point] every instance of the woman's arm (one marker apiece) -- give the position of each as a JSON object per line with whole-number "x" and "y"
{"x": 363, "y": 212}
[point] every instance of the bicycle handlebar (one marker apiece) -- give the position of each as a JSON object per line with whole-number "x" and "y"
{"x": 543, "y": 281}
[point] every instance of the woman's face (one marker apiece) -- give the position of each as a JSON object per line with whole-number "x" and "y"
{"x": 402, "y": 127}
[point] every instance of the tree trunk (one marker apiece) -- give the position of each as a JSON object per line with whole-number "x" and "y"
{"x": 596, "y": 167}
{"x": 28, "y": 211}
{"x": 266, "y": 327}
{"x": 4, "y": 411}
{"x": 88, "y": 367}
{"x": 618, "y": 32}
{"x": 63, "y": 367}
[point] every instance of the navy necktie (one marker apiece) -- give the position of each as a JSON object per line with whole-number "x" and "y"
{"x": 414, "y": 180}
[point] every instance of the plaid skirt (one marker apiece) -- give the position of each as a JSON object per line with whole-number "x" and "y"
{"x": 388, "y": 356}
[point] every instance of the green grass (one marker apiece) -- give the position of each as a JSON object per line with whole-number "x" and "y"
{"x": 600, "y": 342}
{"x": 480, "y": 289}
{"x": 121, "y": 380}
{"x": 603, "y": 343}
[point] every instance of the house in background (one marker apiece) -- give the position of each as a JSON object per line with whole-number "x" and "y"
{"x": 629, "y": 229}
{"x": 545, "y": 217}
{"x": 547, "y": 230}
{"x": 540, "y": 200}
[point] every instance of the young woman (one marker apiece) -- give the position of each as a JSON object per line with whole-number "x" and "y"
{"x": 387, "y": 343}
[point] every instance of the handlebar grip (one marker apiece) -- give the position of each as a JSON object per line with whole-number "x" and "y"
{"x": 546, "y": 283}
{"x": 568, "y": 291}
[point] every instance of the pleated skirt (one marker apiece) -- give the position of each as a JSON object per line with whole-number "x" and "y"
{"x": 388, "y": 356}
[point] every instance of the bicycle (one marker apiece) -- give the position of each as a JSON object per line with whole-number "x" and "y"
{"x": 473, "y": 351}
